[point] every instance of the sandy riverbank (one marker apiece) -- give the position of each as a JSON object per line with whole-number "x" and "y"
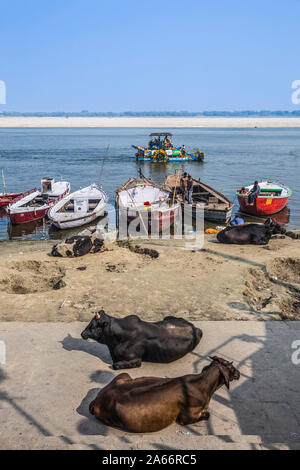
{"x": 151, "y": 122}
{"x": 217, "y": 283}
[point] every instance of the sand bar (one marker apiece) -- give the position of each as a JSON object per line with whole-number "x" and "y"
{"x": 152, "y": 122}
{"x": 219, "y": 282}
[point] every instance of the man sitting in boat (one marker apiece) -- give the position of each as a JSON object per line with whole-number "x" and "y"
{"x": 167, "y": 143}
{"x": 151, "y": 144}
{"x": 253, "y": 193}
{"x": 243, "y": 190}
{"x": 182, "y": 150}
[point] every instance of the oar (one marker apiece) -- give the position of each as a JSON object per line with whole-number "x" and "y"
{"x": 101, "y": 171}
{"x": 138, "y": 211}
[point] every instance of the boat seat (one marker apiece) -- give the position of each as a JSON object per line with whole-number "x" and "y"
{"x": 93, "y": 205}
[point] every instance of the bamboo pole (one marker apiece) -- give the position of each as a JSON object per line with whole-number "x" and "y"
{"x": 3, "y": 179}
{"x": 139, "y": 212}
{"x": 102, "y": 166}
{"x": 44, "y": 229}
{"x": 176, "y": 183}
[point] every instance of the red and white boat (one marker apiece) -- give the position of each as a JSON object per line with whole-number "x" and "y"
{"x": 149, "y": 205}
{"x": 34, "y": 204}
{"x": 7, "y": 198}
{"x": 273, "y": 197}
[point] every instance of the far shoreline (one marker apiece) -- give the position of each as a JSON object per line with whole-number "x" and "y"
{"x": 150, "y": 122}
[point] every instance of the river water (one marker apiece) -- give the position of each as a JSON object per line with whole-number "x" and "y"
{"x": 234, "y": 158}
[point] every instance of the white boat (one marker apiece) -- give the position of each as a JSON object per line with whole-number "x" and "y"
{"x": 147, "y": 203}
{"x": 34, "y": 204}
{"x": 79, "y": 208}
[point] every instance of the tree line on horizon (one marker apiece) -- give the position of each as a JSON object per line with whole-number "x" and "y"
{"x": 247, "y": 113}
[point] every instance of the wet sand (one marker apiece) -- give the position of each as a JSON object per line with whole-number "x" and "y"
{"x": 151, "y": 122}
{"x": 219, "y": 282}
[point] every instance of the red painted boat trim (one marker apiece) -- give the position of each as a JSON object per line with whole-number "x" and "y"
{"x": 8, "y": 198}
{"x": 263, "y": 205}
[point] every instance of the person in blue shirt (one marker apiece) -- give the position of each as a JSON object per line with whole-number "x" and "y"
{"x": 253, "y": 193}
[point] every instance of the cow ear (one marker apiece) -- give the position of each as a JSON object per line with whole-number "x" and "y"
{"x": 225, "y": 372}
{"x": 213, "y": 358}
{"x": 268, "y": 222}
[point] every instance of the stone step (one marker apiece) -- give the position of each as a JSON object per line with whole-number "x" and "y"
{"x": 148, "y": 442}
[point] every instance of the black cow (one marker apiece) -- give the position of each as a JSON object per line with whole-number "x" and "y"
{"x": 254, "y": 234}
{"x": 131, "y": 340}
{"x": 78, "y": 245}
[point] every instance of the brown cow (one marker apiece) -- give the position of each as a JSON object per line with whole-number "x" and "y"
{"x": 149, "y": 404}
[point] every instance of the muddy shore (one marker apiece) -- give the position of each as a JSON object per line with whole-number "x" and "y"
{"x": 218, "y": 282}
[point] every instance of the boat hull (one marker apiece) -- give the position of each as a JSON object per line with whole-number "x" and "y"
{"x": 25, "y": 217}
{"x": 188, "y": 157}
{"x": 19, "y": 216}
{"x": 78, "y": 222}
{"x": 213, "y": 215}
{"x": 154, "y": 221}
{"x": 263, "y": 205}
{"x": 170, "y": 159}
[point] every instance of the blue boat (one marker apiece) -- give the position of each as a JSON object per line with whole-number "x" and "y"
{"x": 163, "y": 151}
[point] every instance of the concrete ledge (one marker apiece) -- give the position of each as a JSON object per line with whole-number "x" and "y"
{"x": 51, "y": 375}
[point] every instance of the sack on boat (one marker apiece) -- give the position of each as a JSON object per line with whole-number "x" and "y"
{"x": 78, "y": 245}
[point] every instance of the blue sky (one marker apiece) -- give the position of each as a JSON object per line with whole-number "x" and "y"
{"x": 193, "y": 55}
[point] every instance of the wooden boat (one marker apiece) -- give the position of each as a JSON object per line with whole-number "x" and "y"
{"x": 273, "y": 197}
{"x": 34, "y": 204}
{"x": 5, "y": 197}
{"x": 79, "y": 208}
{"x": 217, "y": 207}
{"x": 149, "y": 204}
{"x": 164, "y": 151}
{"x": 8, "y": 198}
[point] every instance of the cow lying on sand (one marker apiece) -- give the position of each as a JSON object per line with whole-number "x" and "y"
{"x": 78, "y": 245}
{"x": 255, "y": 234}
{"x": 131, "y": 340}
{"x": 149, "y": 404}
